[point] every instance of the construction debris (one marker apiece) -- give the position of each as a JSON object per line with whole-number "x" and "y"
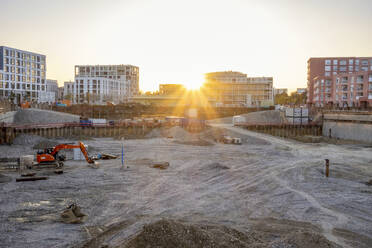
{"x": 58, "y": 171}
{"x": 72, "y": 215}
{"x": 23, "y": 179}
{"x": 106, "y": 156}
{"x": 28, "y": 174}
{"x": 160, "y": 165}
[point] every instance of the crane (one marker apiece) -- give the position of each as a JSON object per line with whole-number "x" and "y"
{"x": 50, "y": 155}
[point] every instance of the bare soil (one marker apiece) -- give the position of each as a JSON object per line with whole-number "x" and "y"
{"x": 268, "y": 192}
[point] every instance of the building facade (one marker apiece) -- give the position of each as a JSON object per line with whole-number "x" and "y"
{"x": 60, "y": 94}
{"x": 278, "y": 91}
{"x": 101, "y": 83}
{"x": 229, "y": 88}
{"x": 22, "y": 75}
{"x": 339, "y": 81}
{"x": 344, "y": 90}
{"x": 52, "y": 86}
{"x": 68, "y": 90}
{"x": 171, "y": 89}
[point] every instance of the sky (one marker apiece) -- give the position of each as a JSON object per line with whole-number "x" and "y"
{"x": 178, "y": 41}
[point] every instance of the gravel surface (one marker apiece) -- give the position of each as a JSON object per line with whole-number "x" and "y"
{"x": 267, "y": 185}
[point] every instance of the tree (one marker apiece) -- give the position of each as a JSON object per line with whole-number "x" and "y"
{"x": 293, "y": 99}
{"x": 281, "y": 99}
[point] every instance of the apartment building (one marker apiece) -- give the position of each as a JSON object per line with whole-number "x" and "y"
{"x": 336, "y": 81}
{"x": 230, "y": 88}
{"x": 22, "y": 75}
{"x": 102, "y": 83}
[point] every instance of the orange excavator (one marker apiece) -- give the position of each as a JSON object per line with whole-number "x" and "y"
{"x": 50, "y": 155}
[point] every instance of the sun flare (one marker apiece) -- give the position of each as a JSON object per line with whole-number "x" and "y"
{"x": 194, "y": 83}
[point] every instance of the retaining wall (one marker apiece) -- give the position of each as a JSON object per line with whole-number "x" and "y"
{"x": 348, "y": 130}
{"x": 286, "y": 130}
{"x": 357, "y": 127}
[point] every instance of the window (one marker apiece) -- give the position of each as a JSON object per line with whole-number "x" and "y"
{"x": 327, "y": 74}
{"x": 351, "y": 67}
{"x": 335, "y": 61}
{"x": 364, "y": 62}
{"x": 335, "y": 67}
{"x": 356, "y": 68}
{"x": 328, "y": 62}
{"x": 342, "y": 68}
{"x": 364, "y": 68}
{"x": 343, "y": 62}
{"x": 327, "y": 68}
{"x": 351, "y": 61}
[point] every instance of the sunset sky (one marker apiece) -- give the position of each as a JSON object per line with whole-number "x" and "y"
{"x": 177, "y": 41}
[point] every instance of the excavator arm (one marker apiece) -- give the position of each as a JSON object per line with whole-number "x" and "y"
{"x": 85, "y": 153}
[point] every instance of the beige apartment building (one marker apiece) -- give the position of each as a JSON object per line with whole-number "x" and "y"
{"x": 235, "y": 89}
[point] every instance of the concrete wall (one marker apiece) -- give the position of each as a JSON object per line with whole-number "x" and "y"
{"x": 348, "y": 130}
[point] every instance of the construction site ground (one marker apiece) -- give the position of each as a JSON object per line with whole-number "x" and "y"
{"x": 267, "y": 192}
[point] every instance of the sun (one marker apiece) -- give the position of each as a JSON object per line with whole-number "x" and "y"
{"x": 194, "y": 83}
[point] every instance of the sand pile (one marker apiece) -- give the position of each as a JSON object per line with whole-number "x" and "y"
{"x": 170, "y": 233}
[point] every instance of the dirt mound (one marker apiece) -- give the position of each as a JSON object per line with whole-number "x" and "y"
{"x": 155, "y": 133}
{"x": 35, "y": 116}
{"x": 170, "y": 233}
{"x": 181, "y": 136}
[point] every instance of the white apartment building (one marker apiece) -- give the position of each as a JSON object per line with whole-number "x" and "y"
{"x": 105, "y": 83}
{"x": 22, "y": 75}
